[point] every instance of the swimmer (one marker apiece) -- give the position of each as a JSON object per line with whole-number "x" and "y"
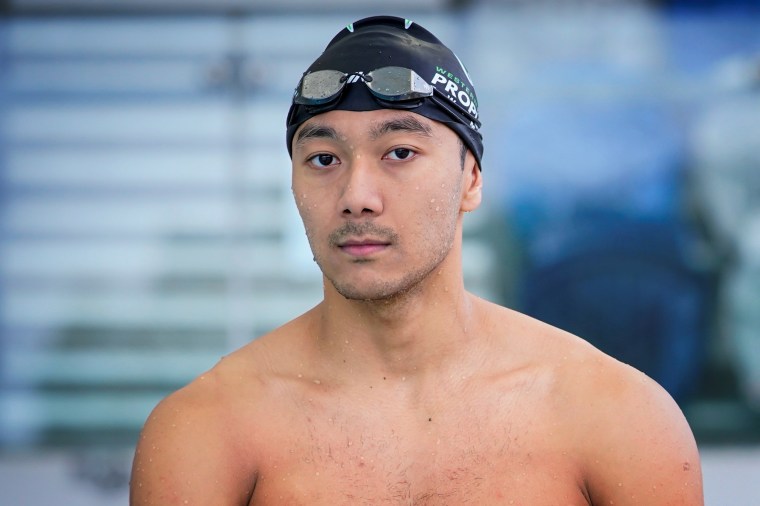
{"x": 400, "y": 387}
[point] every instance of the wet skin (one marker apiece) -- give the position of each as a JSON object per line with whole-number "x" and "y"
{"x": 400, "y": 387}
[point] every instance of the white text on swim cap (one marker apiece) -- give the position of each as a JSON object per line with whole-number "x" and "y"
{"x": 454, "y": 91}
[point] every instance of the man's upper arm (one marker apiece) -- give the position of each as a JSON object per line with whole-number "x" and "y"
{"x": 643, "y": 451}
{"x": 186, "y": 455}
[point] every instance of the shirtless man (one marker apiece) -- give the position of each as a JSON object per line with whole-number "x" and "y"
{"x": 400, "y": 387}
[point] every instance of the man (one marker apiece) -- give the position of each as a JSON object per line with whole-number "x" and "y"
{"x": 401, "y": 387}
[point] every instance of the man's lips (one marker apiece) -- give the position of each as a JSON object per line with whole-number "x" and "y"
{"x": 363, "y": 247}
{"x": 362, "y": 239}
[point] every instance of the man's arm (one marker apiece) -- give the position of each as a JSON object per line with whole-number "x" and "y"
{"x": 639, "y": 449}
{"x": 187, "y": 453}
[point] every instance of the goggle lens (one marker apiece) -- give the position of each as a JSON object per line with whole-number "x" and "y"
{"x": 388, "y": 83}
{"x": 398, "y": 83}
{"x": 319, "y": 87}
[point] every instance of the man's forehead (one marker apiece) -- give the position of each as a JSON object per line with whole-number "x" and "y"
{"x": 373, "y": 124}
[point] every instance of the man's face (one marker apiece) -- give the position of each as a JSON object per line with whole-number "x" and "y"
{"x": 381, "y": 195}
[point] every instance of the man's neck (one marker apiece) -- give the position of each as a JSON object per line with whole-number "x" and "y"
{"x": 414, "y": 334}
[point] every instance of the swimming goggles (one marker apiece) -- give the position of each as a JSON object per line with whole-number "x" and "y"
{"x": 398, "y": 86}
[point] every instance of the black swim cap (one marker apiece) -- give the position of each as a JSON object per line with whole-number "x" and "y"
{"x": 383, "y": 41}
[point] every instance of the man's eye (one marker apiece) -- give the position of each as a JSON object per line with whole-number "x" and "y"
{"x": 323, "y": 160}
{"x": 400, "y": 154}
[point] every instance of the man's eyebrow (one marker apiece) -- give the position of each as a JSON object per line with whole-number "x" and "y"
{"x": 406, "y": 124}
{"x": 315, "y": 132}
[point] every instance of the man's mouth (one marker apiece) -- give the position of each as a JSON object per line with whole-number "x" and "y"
{"x": 362, "y": 240}
{"x": 362, "y": 247}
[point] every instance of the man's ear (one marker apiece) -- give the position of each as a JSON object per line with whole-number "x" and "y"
{"x": 473, "y": 184}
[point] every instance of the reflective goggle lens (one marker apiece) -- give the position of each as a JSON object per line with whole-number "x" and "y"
{"x": 387, "y": 83}
{"x": 320, "y": 87}
{"x": 398, "y": 83}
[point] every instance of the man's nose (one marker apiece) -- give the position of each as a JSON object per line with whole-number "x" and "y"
{"x": 361, "y": 193}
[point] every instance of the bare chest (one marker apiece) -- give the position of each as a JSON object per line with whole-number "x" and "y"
{"x": 420, "y": 461}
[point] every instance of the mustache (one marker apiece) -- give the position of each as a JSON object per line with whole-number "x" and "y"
{"x": 351, "y": 228}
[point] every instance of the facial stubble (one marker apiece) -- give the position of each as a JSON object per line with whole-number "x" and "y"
{"x": 438, "y": 237}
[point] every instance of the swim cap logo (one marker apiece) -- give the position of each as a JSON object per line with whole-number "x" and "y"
{"x": 456, "y": 89}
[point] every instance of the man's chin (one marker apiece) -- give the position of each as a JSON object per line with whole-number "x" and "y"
{"x": 375, "y": 292}
{"x": 365, "y": 295}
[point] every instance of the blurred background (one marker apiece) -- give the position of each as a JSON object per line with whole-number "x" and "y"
{"x": 147, "y": 227}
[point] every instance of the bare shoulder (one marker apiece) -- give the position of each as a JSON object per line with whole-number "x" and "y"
{"x": 632, "y": 442}
{"x": 200, "y": 444}
{"x": 187, "y": 452}
{"x": 642, "y": 449}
